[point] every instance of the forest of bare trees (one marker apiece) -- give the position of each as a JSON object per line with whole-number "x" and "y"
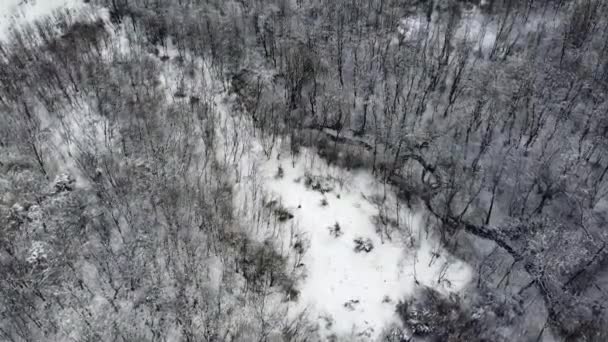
{"x": 117, "y": 191}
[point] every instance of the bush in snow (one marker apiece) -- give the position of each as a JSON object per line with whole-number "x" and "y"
{"x": 37, "y": 253}
{"x": 335, "y": 230}
{"x": 440, "y": 318}
{"x": 350, "y": 305}
{"x": 260, "y": 264}
{"x": 279, "y": 210}
{"x": 324, "y": 202}
{"x": 317, "y": 183}
{"x": 280, "y": 172}
{"x": 282, "y": 214}
{"x": 353, "y": 159}
{"x": 363, "y": 245}
{"x": 300, "y": 246}
{"x": 64, "y": 182}
{"x": 431, "y": 315}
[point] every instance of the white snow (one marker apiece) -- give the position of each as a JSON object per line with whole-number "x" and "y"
{"x": 474, "y": 27}
{"x": 410, "y": 26}
{"x": 37, "y": 252}
{"x": 482, "y": 29}
{"x": 17, "y": 12}
{"x": 336, "y": 274}
{"x": 477, "y": 28}
{"x": 351, "y": 294}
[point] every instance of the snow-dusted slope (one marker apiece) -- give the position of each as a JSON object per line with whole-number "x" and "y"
{"x": 351, "y": 294}
{"x": 477, "y": 28}
{"x": 17, "y": 12}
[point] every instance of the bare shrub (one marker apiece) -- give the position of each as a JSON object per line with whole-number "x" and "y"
{"x": 363, "y": 245}
{"x": 335, "y": 230}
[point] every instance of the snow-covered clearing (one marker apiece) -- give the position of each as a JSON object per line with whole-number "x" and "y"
{"x": 351, "y": 294}
{"x": 354, "y": 293}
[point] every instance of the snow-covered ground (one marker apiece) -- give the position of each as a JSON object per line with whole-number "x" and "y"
{"x": 351, "y": 294}
{"x": 14, "y": 13}
{"x": 479, "y": 29}
{"x": 354, "y": 293}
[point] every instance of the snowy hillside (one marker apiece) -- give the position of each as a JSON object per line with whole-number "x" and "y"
{"x": 14, "y": 13}
{"x": 355, "y": 249}
{"x": 303, "y": 171}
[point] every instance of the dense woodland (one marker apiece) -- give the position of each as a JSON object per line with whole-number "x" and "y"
{"x": 491, "y": 117}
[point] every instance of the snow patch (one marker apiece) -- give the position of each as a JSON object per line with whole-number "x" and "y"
{"x": 350, "y": 291}
{"x": 14, "y": 13}
{"x": 477, "y": 27}
{"x": 409, "y": 27}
